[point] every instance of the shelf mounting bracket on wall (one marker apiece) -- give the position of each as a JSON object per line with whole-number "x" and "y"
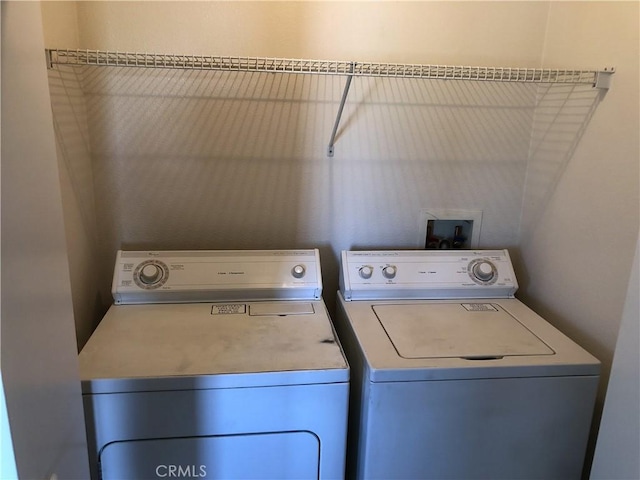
{"x": 603, "y": 78}
{"x": 330, "y": 148}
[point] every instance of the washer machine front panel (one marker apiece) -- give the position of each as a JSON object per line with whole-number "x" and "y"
{"x": 498, "y": 429}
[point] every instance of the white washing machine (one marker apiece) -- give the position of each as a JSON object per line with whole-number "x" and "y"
{"x": 454, "y": 378}
{"x": 216, "y": 364}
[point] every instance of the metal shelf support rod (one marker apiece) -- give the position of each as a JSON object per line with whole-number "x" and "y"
{"x": 345, "y": 93}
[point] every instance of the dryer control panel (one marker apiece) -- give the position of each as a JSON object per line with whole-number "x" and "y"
{"x": 216, "y": 275}
{"x": 428, "y": 274}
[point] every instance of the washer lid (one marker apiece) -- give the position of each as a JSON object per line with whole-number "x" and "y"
{"x": 457, "y": 330}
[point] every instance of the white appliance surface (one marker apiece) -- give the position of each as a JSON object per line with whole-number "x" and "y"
{"x": 160, "y": 346}
{"x": 216, "y": 364}
{"x": 476, "y": 331}
{"x": 206, "y": 275}
{"x": 452, "y": 376}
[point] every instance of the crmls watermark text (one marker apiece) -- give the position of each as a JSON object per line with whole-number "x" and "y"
{"x": 181, "y": 471}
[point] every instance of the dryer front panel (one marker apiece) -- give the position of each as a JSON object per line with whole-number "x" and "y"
{"x": 252, "y": 456}
{"x": 278, "y": 431}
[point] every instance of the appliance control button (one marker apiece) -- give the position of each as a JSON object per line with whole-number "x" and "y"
{"x": 366, "y": 272}
{"x": 484, "y": 271}
{"x": 298, "y": 271}
{"x": 150, "y": 274}
{"x": 389, "y": 271}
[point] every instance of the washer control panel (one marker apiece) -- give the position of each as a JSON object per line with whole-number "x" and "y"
{"x": 427, "y": 274}
{"x": 215, "y": 275}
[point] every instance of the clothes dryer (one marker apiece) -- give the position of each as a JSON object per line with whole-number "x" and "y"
{"x": 216, "y": 364}
{"x": 454, "y": 378}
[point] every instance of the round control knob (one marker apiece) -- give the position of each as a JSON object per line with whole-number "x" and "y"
{"x": 298, "y": 271}
{"x": 389, "y": 271}
{"x": 484, "y": 271}
{"x": 366, "y": 272}
{"x": 150, "y": 274}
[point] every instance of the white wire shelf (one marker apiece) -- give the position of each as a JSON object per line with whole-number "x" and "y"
{"x": 328, "y": 67}
{"x": 596, "y": 78}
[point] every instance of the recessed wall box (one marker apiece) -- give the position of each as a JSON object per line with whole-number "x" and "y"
{"x": 449, "y": 228}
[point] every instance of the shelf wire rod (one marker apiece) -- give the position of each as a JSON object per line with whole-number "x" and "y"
{"x": 597, "y": 78}
{"x": 345, "y": 93}
{"x": 600, "y": 79}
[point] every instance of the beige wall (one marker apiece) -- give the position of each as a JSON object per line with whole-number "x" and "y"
{"x": 202, "y": 160}
{"x": 60, "y": 24}
{"x": 578, "y": 248}
{"x": 418, "y": 32}
{"x": 240, "y": 161}
{"x": 40, "y": 379}
{"x": 616, "y": 455}
{"x": 76, "y": 173}
{"x": 582, "y": 244}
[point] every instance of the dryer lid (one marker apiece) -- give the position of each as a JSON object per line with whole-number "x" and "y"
{"x": 222, "y": 345}
{"x": 457, "y": 330}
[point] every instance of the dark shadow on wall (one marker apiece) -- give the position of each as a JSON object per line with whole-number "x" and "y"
{"x": 90, "y": 295}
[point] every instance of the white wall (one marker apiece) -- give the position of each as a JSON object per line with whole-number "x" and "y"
{"x": 40, "y": 377}
{"x": 616, "y": 455}
{"x": 419, "y": 32}
{"x": 76, "y": 175}
{"x": 578, "y": 251}
{"x": 211, "y": 160}
{"x": 579, "y": 235}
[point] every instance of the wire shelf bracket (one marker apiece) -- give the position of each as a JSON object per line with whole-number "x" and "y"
{"x": 601, "y": 79}
{"x": 345, "y": 93}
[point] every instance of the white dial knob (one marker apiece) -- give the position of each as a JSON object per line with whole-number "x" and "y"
{"x": 484, "y": 271}
{"x": 366, "y": 272}
{"x": 150, "y": 274}
{"x": 298, "y": 271}
{"x": 389, "y": 271}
